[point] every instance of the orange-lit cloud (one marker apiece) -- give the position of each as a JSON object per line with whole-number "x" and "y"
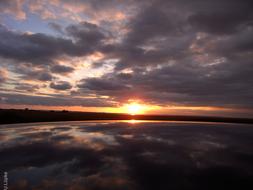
{"x": 171, "y": 57}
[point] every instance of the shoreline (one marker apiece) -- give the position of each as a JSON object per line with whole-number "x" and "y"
{"x": 15, "y": 116}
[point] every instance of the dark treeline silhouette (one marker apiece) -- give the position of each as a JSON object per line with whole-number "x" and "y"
{"x": 8, "y": 116}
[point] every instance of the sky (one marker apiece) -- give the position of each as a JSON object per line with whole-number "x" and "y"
{"x": 165, "y": 56}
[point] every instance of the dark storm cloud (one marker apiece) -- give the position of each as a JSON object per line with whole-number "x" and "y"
{"x": 155, "y": 36}
{"x": 222, "y": 17}
{"x": 44, "y": 77}
{"x": 170, "y": 32}
{"x": 100, "y": 84}
{"x": 86, "y": 33}
{"x": 34, "y": 54}
{"x": 61, "y": 100}
{"x": 151, "y": 23}
{"x": 34, "y": 48}
{"x": 180, "y": 52}
{"x": 56, "y": 27}
{"x": 60, "y": 85}
{"x": 227, "y": 84}
{"x": 42, "y": 49}
{"x": 188, "y": 53}
{"x": 61, "y": 69}
{"x": 26, "y": 87}
{"x": 236, "y": 45}
{"x": 32, "y": 73}
{"x": 97, "y": 4}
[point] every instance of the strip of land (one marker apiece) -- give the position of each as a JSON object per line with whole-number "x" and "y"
{"x": 9, "y": 116}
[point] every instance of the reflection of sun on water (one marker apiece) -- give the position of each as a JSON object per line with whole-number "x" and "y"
{"x": 132, "y": 121}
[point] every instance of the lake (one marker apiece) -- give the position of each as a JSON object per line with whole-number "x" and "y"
{"x": 119, "y": 155}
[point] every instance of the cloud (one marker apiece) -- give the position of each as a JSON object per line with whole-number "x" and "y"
{"x": 52, "y": 100}
{"x": 181, "y": 84}
{"x": 183, "y": 58}
{"x": 96, "y": 11}
{"x": 86, "y": 33}
{"x": 14, "y": 7}
{"x": 3, "y": 76}
{"x": 61, "y": 69}
{"x": 173, "y": 52}
{"x": 26, "y": 87}
{"x": 42, "y": 49}
{"x": 56, "y": 27}
{"x": 34, "y": 56}
{"x": 60, "y": 85}
{"x": 32, "y": 73}
{"x": 100, "y": 84}
{"x": 222, "y": 17}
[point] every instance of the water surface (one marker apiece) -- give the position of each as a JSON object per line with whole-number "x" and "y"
{"x": 127, "y": 155}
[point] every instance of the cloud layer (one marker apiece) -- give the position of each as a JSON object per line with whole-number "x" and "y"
{"x": 164, "y": 53}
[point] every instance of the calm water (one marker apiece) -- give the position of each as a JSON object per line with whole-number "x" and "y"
{"x": 127, "y": 155}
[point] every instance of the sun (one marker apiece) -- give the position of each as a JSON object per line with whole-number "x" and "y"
{"x": 134, "y": 108}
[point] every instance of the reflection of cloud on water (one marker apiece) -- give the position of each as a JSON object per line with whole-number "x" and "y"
{"x": 94, "y": 140}
{"x": 115, "y": 156}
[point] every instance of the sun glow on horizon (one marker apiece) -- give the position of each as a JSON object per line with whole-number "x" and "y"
{"x": 134, "y": 108}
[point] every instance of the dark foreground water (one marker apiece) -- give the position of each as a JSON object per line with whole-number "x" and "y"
{"x": 127, "y": 155}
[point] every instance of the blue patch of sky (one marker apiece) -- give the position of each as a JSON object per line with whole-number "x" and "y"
{"x": 33, "y": 23}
